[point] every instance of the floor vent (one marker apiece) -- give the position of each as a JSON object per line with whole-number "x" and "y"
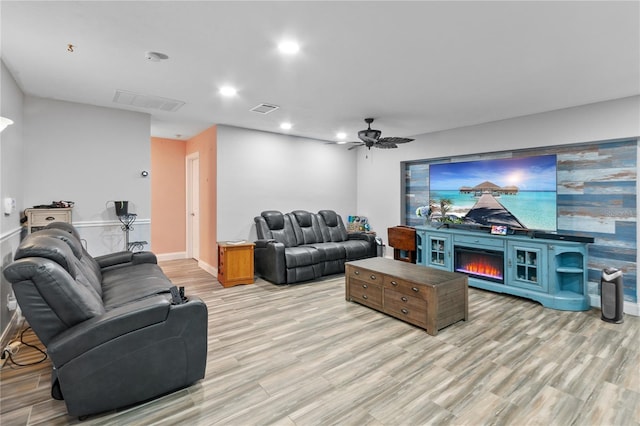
{"x": 145, "y": 101}
{"x": 264, "y": 108}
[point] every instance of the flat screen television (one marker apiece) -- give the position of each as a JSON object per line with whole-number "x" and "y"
{"x": 519, "y": 193}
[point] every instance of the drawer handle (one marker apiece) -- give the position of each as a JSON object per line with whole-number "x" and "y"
{"x": 416, "y": 289}
{"x": 356, "y": 272}
{"x": 373, "y": 277}
{"x": 393, "y": 283}
{"x": 49, "y": 218}
{"x": 365, "y": 286}
{"x": 404, "y": 299}
{"x": 364, "y": 296}
{"x": 404, "y": 311}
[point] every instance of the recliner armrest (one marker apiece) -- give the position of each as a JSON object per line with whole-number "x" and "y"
{"x": 264, "y": 243}
{"x": 101, "y": 329}
{"x": 123, "y": 258}
{"x": 269, "y": 261}
{"x": 362, "y": 236}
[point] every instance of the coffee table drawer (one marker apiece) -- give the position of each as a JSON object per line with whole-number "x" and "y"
{"x": 366, "y": 275}
{"x": 407, "y": 308}
{"x": 365, "y": 292}
{"x": 406, "y": 287}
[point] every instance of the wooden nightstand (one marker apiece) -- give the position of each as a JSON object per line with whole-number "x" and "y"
{"x": 39, "y": 218}
{"x": 235, "y": 263}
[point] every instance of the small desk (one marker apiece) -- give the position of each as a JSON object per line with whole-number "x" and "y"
{"x": 235, "y": 263}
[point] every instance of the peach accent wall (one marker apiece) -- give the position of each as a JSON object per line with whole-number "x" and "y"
{"x": 206, "y": 145}
{"x": 168, "y": 196}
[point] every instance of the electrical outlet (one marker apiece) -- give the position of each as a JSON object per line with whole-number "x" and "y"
{"x": 12, "y": 348}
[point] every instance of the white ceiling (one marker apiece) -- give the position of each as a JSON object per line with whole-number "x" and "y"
{"x": 416, "y": 67}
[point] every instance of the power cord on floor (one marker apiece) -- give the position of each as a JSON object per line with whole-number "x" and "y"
{"x": 10, "y": 351}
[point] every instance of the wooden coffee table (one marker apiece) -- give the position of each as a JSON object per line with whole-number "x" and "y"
{"x": 426, "y": 297}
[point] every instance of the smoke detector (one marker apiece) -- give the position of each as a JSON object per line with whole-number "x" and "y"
{"x": 155, "y": 56}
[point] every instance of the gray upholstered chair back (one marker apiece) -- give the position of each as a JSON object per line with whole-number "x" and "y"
{"x": 306, "y": 227}
{"x": 273, "y": 225}
{"x": 333, "y": 228}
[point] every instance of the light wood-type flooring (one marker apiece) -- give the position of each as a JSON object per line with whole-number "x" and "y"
{"x": 302, "y": 355}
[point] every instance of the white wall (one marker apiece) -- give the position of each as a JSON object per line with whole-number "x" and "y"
{"x": 11, "y": 147}
{"x": 260, "y": 171}
{"x": 379, "y": 180}
{"x": 11, "y": 184}
{"x": 90, "y": 155}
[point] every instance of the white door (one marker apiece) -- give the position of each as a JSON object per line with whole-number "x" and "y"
{"x": 193, "y": 206}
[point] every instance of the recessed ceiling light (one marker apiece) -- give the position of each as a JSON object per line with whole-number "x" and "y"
{"x": 228, "y": 91}
{"x": 286, "y": 126}
{"x": 289, "y": 47}
{"x": 341, "y": 135}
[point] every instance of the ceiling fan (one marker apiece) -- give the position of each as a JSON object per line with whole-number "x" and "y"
{"x": 371, "y": 138}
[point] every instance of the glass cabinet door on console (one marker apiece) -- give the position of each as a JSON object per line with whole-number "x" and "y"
{"x": 526, "y": 266}
{"x": 438, "y": 251}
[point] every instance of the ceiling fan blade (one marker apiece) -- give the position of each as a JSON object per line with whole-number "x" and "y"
{"x": 355, "y": 145}
{"x": 385, "y": 145}
{"x": 395, "y": 140}
{"x": 343, "y": 143}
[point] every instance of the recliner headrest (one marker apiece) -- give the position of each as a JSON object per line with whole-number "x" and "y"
{"x": 330, "y": 217}
{"x": 65, "y": 236}
{"x": 35, "y": 245}
{"x": 64, "y": 226}
{"x": 303, "y": 217}
{"x": 274, "y": 219}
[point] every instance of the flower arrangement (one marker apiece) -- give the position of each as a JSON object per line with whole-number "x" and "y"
{"x": 424, "y": 212}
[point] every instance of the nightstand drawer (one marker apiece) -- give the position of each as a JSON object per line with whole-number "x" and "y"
{"x": 44, "y": 217}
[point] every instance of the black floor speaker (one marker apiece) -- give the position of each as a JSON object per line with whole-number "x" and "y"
{"x": 612, "y": 296}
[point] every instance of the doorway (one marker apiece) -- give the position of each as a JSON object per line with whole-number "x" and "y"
{"x": 193, "y": 206}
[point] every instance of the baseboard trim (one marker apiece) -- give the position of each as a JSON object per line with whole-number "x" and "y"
{"x": 171, "y": 256}
{"x": 11, "y": 331}
{"x": 210, "y": 269}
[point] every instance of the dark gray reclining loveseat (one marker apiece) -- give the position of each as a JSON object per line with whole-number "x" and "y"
{"x": 113, "y": 331}
{"x": 302, "y": 246}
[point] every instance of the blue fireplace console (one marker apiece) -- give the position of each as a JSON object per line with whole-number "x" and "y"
{"x": 551, "y": 270}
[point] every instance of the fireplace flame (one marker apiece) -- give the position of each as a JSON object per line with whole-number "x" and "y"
{"x": 482, "y": 268}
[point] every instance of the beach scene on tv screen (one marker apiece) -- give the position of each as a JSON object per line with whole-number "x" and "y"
{"x": 513, "y": 192}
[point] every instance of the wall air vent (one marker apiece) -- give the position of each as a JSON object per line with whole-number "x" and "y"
{"x": 264, "y": 108}
{"x": 145, "y": 101}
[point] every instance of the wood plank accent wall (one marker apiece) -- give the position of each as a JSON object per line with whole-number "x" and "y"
{"x": 596, "y": 196}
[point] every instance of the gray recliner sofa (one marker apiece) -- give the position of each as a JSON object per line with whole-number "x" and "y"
{"x": 113, "y": 331}
{"x": 302, "y": 246}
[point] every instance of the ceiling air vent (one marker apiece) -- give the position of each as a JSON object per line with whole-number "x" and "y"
{"x": 264, "y": 108}
{"x": 145, "y": 101}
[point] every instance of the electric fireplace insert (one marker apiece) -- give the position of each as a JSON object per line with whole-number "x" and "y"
{"x": 480, "y": 263}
